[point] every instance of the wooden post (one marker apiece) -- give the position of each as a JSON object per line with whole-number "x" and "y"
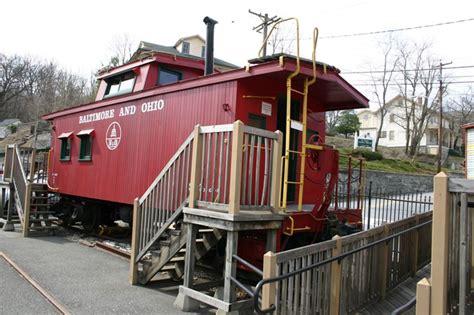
{"x": 271, "y": 245}
{"x": 336, "y": 279}
{"x": 26, "y": 210}
{"x": 415, "y": 247}
{"x": 269, "y": 271}
{"x": 189, "y": 258}
{"x": 32, "y": 165}
{"x": 230, "y": 265}
{"x": 133, "y": 276}
{"x": 423, "y": 291}
{"x": 236, "y": 167}
{"x": 439, "y": 244}
{"x": 276, "y": 172}
{"x": 195, "y": 168}
{"x": 385, "y": 263}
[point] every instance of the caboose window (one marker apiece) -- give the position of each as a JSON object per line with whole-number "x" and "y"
{"x": 85, "y": 146}
{"x": 120, "y": 84}
{"x": 65, "y": 149}
{"x": 65, "y": 153}
{"x": 166, "y": 76}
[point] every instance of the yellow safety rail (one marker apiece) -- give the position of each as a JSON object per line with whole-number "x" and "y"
{"x": 304, "y": 145}
{"x": 289, "y": 91}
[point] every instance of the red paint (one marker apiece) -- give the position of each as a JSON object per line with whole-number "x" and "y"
{"x": 148, "y": 140}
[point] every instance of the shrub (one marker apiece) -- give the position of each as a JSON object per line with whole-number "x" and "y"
{"x": 367, "y": 154}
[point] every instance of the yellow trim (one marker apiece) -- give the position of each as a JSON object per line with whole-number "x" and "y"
{"x": 258, "y": 96}
{"x": 314, "y": 147}
{"x": 292, "y": 228}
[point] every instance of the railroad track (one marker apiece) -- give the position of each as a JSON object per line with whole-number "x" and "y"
{"x": 58, "y": 306}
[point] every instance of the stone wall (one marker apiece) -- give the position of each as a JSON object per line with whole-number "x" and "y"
{"x": 394, "y": 183}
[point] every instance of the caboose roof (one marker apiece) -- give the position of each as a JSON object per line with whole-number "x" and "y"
{"x": 333, "y": 91}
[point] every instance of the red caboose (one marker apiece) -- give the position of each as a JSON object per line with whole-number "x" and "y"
{"x": 107, "y": 153}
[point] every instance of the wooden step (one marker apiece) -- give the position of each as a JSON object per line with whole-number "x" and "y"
{"x": 33, "y": 212}
{"x": 41, "y": 220}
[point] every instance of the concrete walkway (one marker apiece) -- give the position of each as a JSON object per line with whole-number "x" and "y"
{"x": 85, "y": 280}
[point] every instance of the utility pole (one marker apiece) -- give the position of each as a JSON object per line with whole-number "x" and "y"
{"x": 440, "y": 124}
{"x": 266, "y": 22}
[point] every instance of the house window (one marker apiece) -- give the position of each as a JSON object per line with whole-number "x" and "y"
{"x": 166, "y": 76}
{"x": 392, "y": 118}
{"x": 85, "y": 146}
{"x": 383, "y": 134}
{"x": 391, "y": 135}
{"x": 120, "y": 84}
{"x": 186, "y": 47}
{"x": 365, "y": 117}
{"x": 65, "y": 153}
{"x": 203, "y": 51}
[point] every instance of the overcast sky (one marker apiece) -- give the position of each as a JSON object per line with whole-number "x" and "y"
{"x": 78, "y": 34}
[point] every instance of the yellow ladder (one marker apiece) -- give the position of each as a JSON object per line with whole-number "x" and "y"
{"x": 299, "y": 125}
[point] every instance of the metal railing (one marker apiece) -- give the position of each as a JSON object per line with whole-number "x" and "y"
{"x": 344, "y": 274}
{"x": 380, "y": 207}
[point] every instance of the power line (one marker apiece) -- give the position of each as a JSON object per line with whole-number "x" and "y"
{"x": 395, "y": 84}
{"x": 408, "y": 70}
{"x": 380, "y": 80}
{"x": 266, "y": 22}
{"x": 398, "y": 29}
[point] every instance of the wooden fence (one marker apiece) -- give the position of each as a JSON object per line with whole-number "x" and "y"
{"x": 347, "y": 284}
{"x": 452, "y": 240}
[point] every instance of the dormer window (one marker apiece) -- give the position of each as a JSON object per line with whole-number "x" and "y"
{"x": 186, "y": 48}
{"x": 120, "y": 84}
{"x": 167, "y": 76}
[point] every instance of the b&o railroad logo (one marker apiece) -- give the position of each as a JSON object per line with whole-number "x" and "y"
{"x": 113, "y": 136}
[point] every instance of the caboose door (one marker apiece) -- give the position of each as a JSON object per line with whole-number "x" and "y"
{"x": 294, "y": 143}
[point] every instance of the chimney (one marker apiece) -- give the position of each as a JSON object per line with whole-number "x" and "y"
{"x": 209, "y": 65}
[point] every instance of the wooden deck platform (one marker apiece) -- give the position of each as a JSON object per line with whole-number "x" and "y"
{"x": 399, "y": 296}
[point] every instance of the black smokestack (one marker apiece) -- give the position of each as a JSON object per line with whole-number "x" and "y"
{"x": 209, "y": 66}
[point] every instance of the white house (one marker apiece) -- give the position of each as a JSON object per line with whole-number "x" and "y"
{"x": 190, "y": 47}
{"x": 393, "y": 132}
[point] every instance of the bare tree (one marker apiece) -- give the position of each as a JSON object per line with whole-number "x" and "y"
{"x": 121, "y": 49}
{"x": 332, "y": 119}
{"x": 30, "y": 88}
{"x": 381, "y": 83}
{"x": 282, "y": 39}
{"x": 13, "y": 70}
{"x": 416, "y": 86}
{"x": 461, "y": 110}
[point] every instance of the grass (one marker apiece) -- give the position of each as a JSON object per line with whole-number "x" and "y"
{"x": 389, "y": 165}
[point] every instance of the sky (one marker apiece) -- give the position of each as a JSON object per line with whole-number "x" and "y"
{"x": 78, "y": 34}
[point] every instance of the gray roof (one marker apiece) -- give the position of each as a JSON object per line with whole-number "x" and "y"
{"x": 8, "y": 122}
{"x": 146, "y": 46}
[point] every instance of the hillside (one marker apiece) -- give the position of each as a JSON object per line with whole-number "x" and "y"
{"x": 395, "y": 161}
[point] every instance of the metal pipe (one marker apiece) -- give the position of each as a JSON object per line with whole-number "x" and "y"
{"x": 369, "y": 205}
{"x": 209, "y": 62}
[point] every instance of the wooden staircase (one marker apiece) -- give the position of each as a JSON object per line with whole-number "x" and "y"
{"x": 168, "y": 255}
{"x": 29, "y": 195}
